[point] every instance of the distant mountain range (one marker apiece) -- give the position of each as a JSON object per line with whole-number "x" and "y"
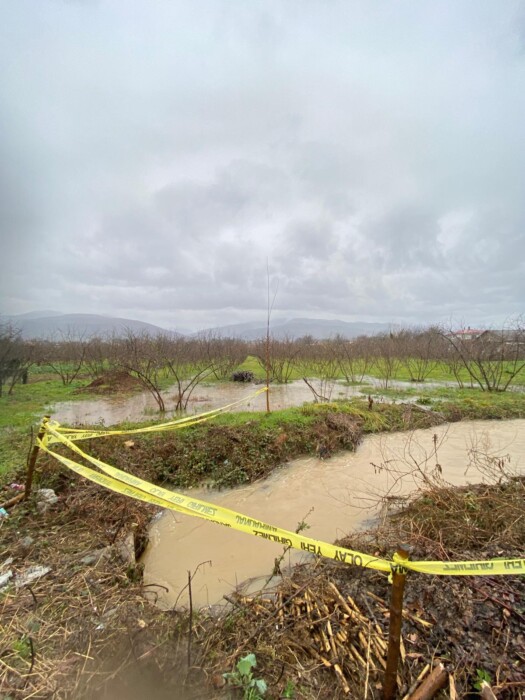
{"x": 52, "y": 324}
{"x": 299, "y": 327}
{"x": 49, "y": 324}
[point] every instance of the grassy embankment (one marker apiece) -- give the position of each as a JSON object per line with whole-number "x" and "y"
{"x": 240, "y": 447}
{"x": 22, "y": 410}
{"x": 88, "y": 623}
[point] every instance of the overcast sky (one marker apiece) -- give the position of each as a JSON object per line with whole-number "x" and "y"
{"x": 155, "y": 153}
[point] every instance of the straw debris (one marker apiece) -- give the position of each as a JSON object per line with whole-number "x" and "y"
{"x": 80, "y": 630}
{"x": 87, "y": 630}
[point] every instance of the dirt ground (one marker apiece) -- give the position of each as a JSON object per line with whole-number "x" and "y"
{"x": 84, "y": 629}
{"x": 328, "y": 614}
{"x": 112, "y": 383}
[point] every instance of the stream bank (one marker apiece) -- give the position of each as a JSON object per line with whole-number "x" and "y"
{"x": 240, "y": 448}
{"x": 86, "y": 630}
{"x": 326, "y": 498}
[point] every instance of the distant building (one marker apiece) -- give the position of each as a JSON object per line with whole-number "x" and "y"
{"x": 496, "y": 340}
{"x": 467, "y": 334}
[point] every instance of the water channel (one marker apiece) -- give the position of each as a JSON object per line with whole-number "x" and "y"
{"x": 336, "y": 496}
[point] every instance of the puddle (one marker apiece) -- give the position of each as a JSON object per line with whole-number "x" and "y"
{"x": 110, "y": 411}
{"x": 344, "y": 492}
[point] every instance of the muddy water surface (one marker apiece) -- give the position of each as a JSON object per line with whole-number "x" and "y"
{"x": 343, "y": 492}
{"x": 110, "y": 411}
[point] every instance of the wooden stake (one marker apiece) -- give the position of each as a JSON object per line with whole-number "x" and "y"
{"x": 452, "y": 687}
{"x": 31, "y": 462}
{"x": 190, "y": 633}
{"x": 486, "y": 691}
{"x": 394, "y": 630}
{"x": 417, "y": 682}
{"x": 367, "y": 673}
{"x": 338, "y": 670}
{"x": 432, "y": 683}
{"x": 13, "y": 501}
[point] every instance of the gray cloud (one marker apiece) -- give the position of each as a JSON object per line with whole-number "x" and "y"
{"x": 153, "y": 158}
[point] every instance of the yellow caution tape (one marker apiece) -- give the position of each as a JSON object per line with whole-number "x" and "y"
{"x": 79, "y": 434}
{"x": 134, "y": 487}
{"x": 490, "y": 567}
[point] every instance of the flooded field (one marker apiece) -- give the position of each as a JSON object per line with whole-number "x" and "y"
{"x": 334, "y": 496}
{"x": 110, "y": 411}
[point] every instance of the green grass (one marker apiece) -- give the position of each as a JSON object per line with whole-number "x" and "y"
{"x": 23, "y": 410}
{"x": 439, "y": 373}
{"x": 25, "y": 407}
{"x": 238, "y": 448}
{"x": 28, "y": 402}
{"x": 445, "y": 392}
{"x": 458, "y": 404}
{"x": 251, "y": 364}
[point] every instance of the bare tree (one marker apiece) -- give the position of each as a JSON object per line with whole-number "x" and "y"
{"x": 319, "y": 365}
{"x": 450, "y": 357}
{"x": 16, "y": 357}
{"x": 386, "y": 351}
{"x": 269, "y": 309}
{"x": 225, "y": 354}
{"x": 65, "y": 355}
{"x": 279, "y": 355}
{"x": 189, "y": 363}
{"x": 354, "y": 358}
{"x": 419, "y": 351}
{"x": 492, "y": 358}
{"x": 98, "y": 356}
{"x": 140, "y": 355}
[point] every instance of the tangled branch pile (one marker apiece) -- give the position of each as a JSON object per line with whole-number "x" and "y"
{"x": 304, "y": 627}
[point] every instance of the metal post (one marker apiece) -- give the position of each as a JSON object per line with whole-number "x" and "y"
{"x": 267, "y": 366}
{"x": 394, "y": 629}
{"x": 31, "y": 462}
{"x": 267, "y": 353}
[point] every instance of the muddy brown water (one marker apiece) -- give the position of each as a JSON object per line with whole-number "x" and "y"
{"x": 337, "y": 496}
{"x": 113, "y": 410}
{"x": 110, "y": 411}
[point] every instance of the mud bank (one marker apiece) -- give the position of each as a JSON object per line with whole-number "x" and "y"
{"x": 334, "y": 497}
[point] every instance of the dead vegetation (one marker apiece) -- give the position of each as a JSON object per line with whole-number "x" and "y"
{"x": 227, "y": 455}
{"x": 308, "y": 635}
{"x": 474, "y": 517}
{"x": 86, "y": 630}
{"x": 324, "y": 629}
{"x": 77, "y": 626}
